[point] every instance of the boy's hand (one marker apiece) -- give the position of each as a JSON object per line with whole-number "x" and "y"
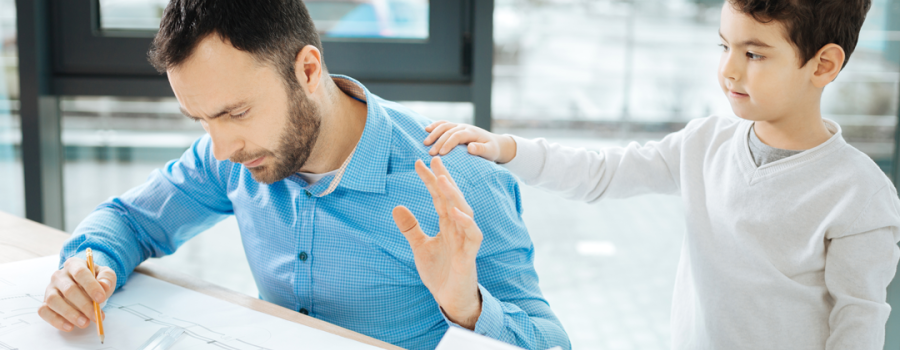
{"x": 445, "y": 135}
{"x": 69, "y": 298}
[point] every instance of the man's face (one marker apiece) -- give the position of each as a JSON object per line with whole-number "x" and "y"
{"x": 251, "y": 115}
{"x": 759, "y": 70}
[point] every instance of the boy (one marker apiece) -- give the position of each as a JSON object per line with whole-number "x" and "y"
{"x": 791, "y": 232}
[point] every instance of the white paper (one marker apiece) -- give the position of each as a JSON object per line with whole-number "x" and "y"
{"x": 457, "y": 338}
{"x": 138, "y": 310}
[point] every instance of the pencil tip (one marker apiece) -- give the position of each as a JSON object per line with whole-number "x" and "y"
{"x": 102, "y": 338}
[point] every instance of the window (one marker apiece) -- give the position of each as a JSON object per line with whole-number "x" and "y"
{"x": 12, "y": 197}
{"x": 373, "y": 19}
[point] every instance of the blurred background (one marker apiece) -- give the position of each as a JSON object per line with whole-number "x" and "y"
{"x": 586, "y": 73}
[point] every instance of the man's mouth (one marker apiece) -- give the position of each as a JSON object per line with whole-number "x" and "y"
{"x": 254, "y": 163}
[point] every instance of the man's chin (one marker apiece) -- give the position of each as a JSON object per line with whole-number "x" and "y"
{"x": 262, "y": 175}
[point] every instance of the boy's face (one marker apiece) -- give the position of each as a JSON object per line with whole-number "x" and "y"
{"x": 759, "y": 70}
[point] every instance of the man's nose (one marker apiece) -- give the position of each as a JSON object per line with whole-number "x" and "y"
{"x": 224, "y": 141}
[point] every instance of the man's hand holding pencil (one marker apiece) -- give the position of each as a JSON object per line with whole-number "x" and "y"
{"x": 73, "y": 290}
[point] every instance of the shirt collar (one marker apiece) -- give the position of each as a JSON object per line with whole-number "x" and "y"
{"x": 367, "y": 167}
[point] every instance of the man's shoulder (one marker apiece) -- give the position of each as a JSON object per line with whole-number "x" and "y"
{"x": 407, "y": 146}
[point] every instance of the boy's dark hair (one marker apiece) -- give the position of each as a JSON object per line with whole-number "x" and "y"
{"x": 273, "y": 31}
{"x": 812, "y": 24}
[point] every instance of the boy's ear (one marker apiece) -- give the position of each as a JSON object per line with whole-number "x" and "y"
{"x": 828, "y": 62}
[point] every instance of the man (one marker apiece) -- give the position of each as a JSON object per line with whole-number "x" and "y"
{"x": 312, "y": 166}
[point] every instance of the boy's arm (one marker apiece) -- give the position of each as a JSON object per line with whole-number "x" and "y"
{"x": 614, "y": 172}
{"x": 175, "y": 204}
{"x": 858, "y": 268}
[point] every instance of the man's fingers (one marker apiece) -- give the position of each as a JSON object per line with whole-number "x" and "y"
{"x": 83, "y": 276}
{"x": 439, "y": 169}
{"x": 409, "y": 226}
{"x": 107, "y": 279}
{"x": 468, "y": 225}
{"x": 76, "y": 297}
{"x": 431, "y": 183}
{"x": 452, "y": 195}
{"x": 54, "y": 319}
{"x": 57, "y": 302}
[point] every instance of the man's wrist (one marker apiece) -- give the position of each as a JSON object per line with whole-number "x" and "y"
{"x": 465, "y": 318}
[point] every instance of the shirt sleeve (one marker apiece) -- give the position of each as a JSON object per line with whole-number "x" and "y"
{"x": 859, "y": 266}
{"x": 614, "y": 172}
{"x": 176, "y": 203}
{"x": 513, "y": 309}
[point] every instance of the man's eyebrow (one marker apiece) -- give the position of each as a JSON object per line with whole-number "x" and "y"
{"x": 220, "y": 113}
{"x": 749, "y": 42}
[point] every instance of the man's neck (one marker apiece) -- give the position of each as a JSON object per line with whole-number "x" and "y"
{"x": 343, "y": 122}
{"x": 800, "y": 130}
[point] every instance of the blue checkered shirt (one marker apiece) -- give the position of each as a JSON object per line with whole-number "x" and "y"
{"x": 331, "y": 249}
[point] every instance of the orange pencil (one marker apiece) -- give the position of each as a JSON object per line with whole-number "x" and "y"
{"x": 90, "y": 262}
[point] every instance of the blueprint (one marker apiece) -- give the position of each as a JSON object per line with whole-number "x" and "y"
{"x": 138, "y": 310}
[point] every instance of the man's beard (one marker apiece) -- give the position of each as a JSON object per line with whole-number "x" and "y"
{"x": 297, "y": 141}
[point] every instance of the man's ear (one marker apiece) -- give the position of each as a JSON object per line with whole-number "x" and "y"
{"x": 828, "y": 62}
{"x": 308, "y": 68}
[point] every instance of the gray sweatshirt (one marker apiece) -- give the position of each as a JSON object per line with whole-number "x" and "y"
{"x": 793, "y": 254}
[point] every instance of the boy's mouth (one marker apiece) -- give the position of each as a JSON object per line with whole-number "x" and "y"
{"x": 735, "y": 94}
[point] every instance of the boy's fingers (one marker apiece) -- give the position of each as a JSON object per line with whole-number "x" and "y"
{"x": 434, "y": 125}
{"x": 409, "y": 226}
{"x": 441, "y": 143}
{"x": 438, "y": 132}
{"x": 462, "y": 136}
{"x": 477, "y": 149}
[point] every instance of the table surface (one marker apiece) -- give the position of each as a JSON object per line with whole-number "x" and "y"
{"x": 22, "y": 239}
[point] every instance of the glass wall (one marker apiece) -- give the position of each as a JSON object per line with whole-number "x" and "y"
{"x": 12, "y": 198}
{"x": 596, "y": 73}
{"x": 380, "y": 19}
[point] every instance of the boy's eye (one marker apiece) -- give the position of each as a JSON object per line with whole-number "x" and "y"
{"x": 753, "y": 56}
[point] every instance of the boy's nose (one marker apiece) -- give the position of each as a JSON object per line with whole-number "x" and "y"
{"x": 728, "y": 67}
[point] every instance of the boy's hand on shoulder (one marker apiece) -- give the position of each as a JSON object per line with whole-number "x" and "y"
{"x": 446, "y": 135}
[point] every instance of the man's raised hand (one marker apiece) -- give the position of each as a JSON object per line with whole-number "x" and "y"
{"x": 446, "y": 262}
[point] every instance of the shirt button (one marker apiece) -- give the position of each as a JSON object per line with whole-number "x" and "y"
{"x": 308, "y": 194}
{"x": 303, "y": 256}
{"x": 304, "y": 311}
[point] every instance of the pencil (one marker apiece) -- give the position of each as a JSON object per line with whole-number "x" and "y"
{"x": 90, "y": 262}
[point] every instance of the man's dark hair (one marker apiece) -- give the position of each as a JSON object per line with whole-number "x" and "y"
{"x": 273, "y": 31}
{"x": 812, "y": 24}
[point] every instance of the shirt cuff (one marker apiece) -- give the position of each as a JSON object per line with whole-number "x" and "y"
{"x": 528, "y": 160}
{"x": 490, "y": 321}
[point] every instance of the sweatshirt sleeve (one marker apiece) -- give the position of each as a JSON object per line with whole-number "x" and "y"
{"x": 615, "y": 172}
{"x": 859, "y": 266}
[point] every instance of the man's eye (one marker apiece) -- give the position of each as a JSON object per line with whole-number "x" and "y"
{"x": 754, "y": 56}
{"x": 239, "y": 116}
{"x": 724, "y": 48}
